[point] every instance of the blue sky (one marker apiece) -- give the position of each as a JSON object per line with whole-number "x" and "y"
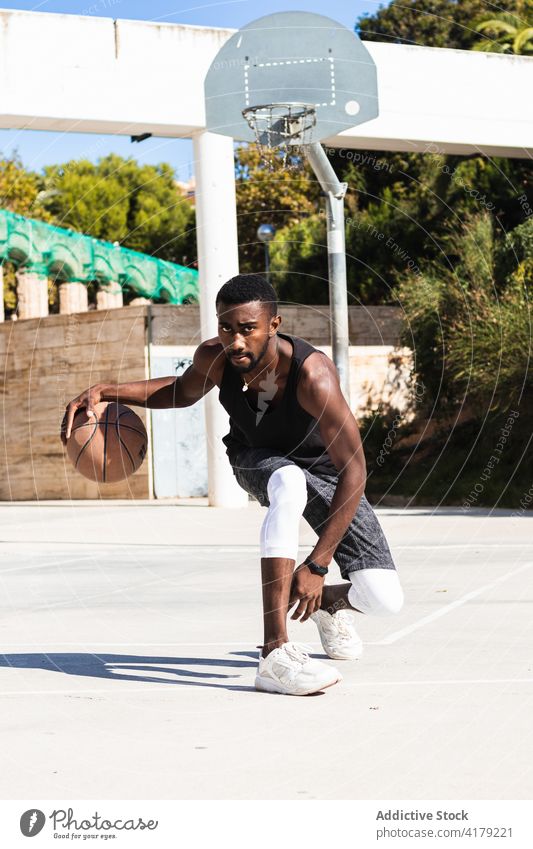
{"x": 37, "y": 149}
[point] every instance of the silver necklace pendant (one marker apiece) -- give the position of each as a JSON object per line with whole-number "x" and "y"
{"x": 245, "y": 387}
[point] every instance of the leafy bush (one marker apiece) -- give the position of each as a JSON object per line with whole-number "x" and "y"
{"x": 471, "y": 330}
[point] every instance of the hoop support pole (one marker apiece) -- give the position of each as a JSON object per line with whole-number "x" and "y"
{"x": 338, "y": 292}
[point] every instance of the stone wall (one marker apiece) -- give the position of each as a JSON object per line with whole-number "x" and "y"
{"x": 45, "y": 363}
{"x": 48, "y": 361}
{"x": 180, "y": 325}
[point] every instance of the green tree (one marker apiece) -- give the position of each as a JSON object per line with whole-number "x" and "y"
{"x": 20, "y": 192}
{"x": 118, "y": 200}
{"x": 432, "y": 23}
{"x": 506, "y": 32}
{"x": 281, "y": 197}
{"x": 400, "y": 210}
{"x": 300, "y": 261}
{"x": 19, "y": 188}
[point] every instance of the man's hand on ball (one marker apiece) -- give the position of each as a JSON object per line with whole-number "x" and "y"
{"x": 87, "y": 400}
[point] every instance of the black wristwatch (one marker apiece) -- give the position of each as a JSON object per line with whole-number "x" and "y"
{"x": 315, "y": 568}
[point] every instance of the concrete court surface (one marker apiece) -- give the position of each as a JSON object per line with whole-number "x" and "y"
{"x": 128, "y": 634}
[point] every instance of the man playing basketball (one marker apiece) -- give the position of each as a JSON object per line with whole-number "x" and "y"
{"x": 295, "y": 446}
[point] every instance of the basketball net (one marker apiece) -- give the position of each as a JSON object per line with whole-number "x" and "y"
{"x": 282, "y": 131}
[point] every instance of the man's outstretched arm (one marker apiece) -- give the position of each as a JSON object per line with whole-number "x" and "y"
{"x": 158, "y": 393}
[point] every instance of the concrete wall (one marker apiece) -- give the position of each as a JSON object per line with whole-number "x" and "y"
{"x": 180, "y": 325}
{"x": 88, "y": 74}
{"x": 46, "y": 362}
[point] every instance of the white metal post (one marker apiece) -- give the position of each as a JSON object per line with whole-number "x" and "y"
{"x": 338, "y": 294}
{"x": 218, "y": 260}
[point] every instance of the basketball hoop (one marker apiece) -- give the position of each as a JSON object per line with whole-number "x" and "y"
{"x": 282, "y": 130}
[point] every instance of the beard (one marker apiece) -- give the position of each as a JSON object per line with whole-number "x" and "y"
{"x": 254, "y": 360}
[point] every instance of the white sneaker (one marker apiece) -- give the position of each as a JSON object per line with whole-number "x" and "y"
{"x": 338, "y": 635}
{"x": 289, "y": 670}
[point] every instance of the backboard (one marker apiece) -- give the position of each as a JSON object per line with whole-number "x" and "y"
{"x": 292, "y": 57}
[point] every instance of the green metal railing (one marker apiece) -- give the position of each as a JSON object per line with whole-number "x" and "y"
{"x": 67, "y": 256}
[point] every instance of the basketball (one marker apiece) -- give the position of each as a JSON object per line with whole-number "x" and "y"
{"x": 109, "y": 448}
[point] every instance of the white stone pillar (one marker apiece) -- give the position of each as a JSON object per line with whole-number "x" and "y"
{"x": 109, "y": 296}
{"x": 218, "y": 260}
{"x": 2, "y": 311}
{"x": 32, "y": 294}
{"x": 73, "y": 298}
{"x": 136, "y": 302}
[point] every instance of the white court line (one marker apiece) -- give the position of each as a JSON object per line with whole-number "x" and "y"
{"x": 426, "y": 547}
{"x": 397, "y": 635}
{"x": 44, "y": 565}
{"x": 107, "y": 692}
{"x": 131, "y": 645}
{"x": 439, "y": 682}
{"x": 225, "y": 549}
{"x": 231, "y": 549}
{"x": 149, "y": 686}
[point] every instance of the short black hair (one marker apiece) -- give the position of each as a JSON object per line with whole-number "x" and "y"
{"x": 248, "y": 287}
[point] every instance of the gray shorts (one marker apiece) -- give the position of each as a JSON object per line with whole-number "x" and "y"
{"x": 363, "y": 546}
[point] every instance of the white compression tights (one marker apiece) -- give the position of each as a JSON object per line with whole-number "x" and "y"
{"x": 374, "y": 591}
{"x": 287, "y": 494}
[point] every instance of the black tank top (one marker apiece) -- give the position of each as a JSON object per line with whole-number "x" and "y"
{"x": 287, "y": 429}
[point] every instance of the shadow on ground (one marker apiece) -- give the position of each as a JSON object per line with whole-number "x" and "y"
{"x": 116, "y": 667}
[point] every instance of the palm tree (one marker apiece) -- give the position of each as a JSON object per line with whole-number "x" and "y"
{"x": 508, "y": 33}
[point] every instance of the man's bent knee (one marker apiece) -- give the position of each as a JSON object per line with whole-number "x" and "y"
{"x": 287, "y": 495}
{"x": 391, "y": 604}
{"x": 287, "y": 485}
{"x": 376, "y": 592}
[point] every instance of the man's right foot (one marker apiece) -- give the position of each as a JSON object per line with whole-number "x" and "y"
{"x": 289, "y": 670}
{"x": 338, "y": 635}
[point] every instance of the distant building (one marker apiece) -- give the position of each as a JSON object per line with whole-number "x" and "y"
{"x": 188, "y": 188}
